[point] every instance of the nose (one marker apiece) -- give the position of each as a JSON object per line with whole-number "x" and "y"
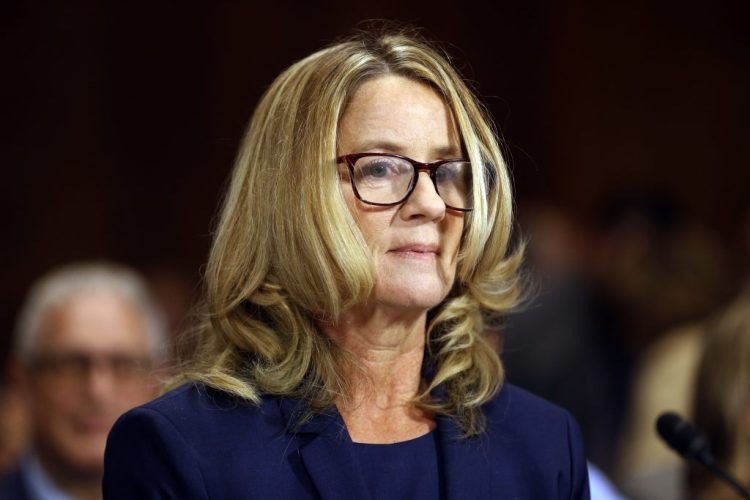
{"x": 424, "y": 201}
{"x": 100, "y": 382}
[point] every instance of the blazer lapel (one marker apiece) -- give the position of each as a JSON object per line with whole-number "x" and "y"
{"x": 465, "y": 463}
{"x": 326, "y": 451}
{"x": 327, "y": 454}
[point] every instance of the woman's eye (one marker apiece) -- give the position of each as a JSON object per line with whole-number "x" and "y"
{"x": 377, "y": 169}
{"x": 446, "y": 173}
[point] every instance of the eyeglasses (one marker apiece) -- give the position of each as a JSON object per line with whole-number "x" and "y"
{"x": 77, "y": 367}
{"x": 387, "y": 179}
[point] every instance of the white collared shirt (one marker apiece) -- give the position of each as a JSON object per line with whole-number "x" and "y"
{"x": 38, "y": 482}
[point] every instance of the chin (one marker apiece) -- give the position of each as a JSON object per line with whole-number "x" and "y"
{"x": 89, "y": 448}
{"x": 88, "y": 462}
{"x": 422, "y": 296}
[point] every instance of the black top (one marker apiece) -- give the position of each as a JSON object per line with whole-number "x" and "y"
{"x": 401, "y": 470}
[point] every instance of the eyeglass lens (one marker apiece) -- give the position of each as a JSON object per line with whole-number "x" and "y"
{"x": 386, "y": 179}
{"x": 76, "y": 367}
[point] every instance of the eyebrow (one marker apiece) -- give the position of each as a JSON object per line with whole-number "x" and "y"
{"x": 390, "y": 147}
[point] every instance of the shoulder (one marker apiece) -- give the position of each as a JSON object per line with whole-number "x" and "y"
{"x": 518, "y": 416}
{"x": 189, "y": 438}
{"x": 204, "y": 417}
{"x": 197, "y": 405}
{"x": 536, "y": 441}
{"x": 519, "y": 409}
{"x": 192, "y": 396}
{"x": 12, "y": 486}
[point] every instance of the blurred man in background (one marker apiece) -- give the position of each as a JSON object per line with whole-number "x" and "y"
{"x": 86, "y": 345}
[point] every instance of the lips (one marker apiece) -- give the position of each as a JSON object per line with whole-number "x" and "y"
{"x": 417, "y": 249}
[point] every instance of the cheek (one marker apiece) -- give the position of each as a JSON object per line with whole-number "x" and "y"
{"x": 453, "y": 235}
{"x": 48, "y": 398}
{"x": 53, "y": 414}
{"x": 374, "y": 228}
{"x": 372, "y": 221}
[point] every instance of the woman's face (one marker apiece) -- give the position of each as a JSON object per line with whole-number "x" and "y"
{"x": 414, "y": 245}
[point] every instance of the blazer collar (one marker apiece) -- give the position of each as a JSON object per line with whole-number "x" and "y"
{"x": 465, "y": 469}
{"x": 464, "y": 462}
{"x": 327, "y": 454}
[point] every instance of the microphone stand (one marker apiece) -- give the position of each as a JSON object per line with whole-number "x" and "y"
{"x": 719, "y": 472}
{"x": 691, "y": 445}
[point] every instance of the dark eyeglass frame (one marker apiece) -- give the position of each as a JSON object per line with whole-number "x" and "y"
{"x": 77, "y": 365}
{"x": 418, "y": 166}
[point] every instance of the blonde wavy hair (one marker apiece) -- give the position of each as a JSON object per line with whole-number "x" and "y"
{"x": 288, "y": 255}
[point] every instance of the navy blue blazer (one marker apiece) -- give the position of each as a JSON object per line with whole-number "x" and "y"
{"x": 198, "y": 443}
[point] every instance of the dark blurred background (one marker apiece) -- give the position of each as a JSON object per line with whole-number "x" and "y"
{"x": 120, "y": 122}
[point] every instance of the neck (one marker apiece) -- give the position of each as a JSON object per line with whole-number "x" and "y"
{"x": 389, "y": 352}
{"x": 84, "y": 485}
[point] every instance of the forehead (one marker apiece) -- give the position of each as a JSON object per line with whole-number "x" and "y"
{"x": 392, "y": 112}
{"x": 92, "y": 322}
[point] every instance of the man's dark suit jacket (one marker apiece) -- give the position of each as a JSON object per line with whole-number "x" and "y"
{"x": 13, "y": 487}
{"x": 199, "y": 443}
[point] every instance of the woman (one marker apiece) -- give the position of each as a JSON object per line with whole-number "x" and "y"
{"x": 363, "y": 238}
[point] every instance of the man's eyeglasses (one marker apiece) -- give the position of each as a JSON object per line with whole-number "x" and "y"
{"x": 77, "y": 367}
{"x": 387, "y": 179}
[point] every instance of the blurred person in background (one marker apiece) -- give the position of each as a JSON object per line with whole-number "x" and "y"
{"x": 721, "y": 403}
{"x": 721, "y": 400}
{"x": 666, "y": 372}
{"x": 648, "y": 469}
{"x": 659, "y": 267}
{"x": 557, "y": 346}
{"x": 87, "y": 341}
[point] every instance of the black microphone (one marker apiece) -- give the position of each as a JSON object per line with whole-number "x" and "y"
{"x": 685, "y": 439}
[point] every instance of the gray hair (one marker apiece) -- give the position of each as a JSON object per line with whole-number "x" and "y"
{"x": 64, "y": 282}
